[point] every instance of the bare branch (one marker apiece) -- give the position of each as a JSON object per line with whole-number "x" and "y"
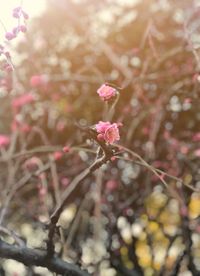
{"x": 30, "y": 257}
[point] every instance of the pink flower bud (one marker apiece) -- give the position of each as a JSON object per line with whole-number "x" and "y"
{"x": 32, "y": 163}
{"x": 16, "y": 12}
{"x": 66, "y": 149}
{"x": 23, "y": 28}
{"x": 113, "y": 158}
{"x": 119, "y": 124}
{"x": 9, "y": 36}
{"x": 25, "y": 15}
{"x": 16, "y": 15}
{"x": 100, "y": 137}
{"x": 106, "y": 92}
{"x": 4, "y": 140}
{"x": 57, "y": 155}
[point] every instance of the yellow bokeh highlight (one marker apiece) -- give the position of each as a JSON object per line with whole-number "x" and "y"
{"x": 194, "y": 206}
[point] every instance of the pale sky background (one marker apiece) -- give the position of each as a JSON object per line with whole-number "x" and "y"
{"x": 32, "y": 7}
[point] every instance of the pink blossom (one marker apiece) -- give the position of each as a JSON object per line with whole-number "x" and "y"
{"x": 4, "y": 140}
{"x": 25, "y": 15}
{"x": 112, "y": 134}
{"x": 111, "y": 185}
{"x": 38, "y": 80}
{"x": 197, "y": 152}
{"x": 113, "y": 158}
{"x": 57, "y": 155}
{"x": 8, "y": 67}
{"x": 42, "y": 191}
{"x": 106, "y": 92}
{"x": 60, "y": 126}
{"x": 9, "y": 36}
{"x": 18, "y": 12}
{"x": 25, "y": 128}
{"x": 66, "y": 149}
{"x": 187, "y": 100}
{"x": 22, "y": 100}
{"x": 196, "y": 137}
{"x": 100, "y": 137}
{"x": 102, "y": 126}
{"x": 32, "y": 163}
{"x": 15, "y": 30}
{"x": 23, "y": 28}
{"x": 107, "y": 131}
{"x": 184, "y": 149}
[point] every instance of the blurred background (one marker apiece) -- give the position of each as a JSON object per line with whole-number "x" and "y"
{"x": 122, "y": 220}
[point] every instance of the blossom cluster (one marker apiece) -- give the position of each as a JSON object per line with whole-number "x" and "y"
{"x": 19, "y": 14}
{"x": 22, "y": 17}
{"x": 107, "y": 131}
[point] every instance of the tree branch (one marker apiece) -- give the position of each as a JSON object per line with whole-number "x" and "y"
{"x": 30, "y": 257}
{"x": 107, "y": 153}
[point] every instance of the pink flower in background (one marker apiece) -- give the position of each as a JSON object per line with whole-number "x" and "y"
{"x": 57, "y": 155}
{"x": 111, "y": 185}
{"x": 108, "y": 132}
{"x": 197, "y": 152}
{"x": 25, "y": 128}
{"x": 9, "y": 36}
{"x": 66, "y": 149}
{"x": 65, "y": 181}
{"x": 8, "y": 67}
{"x": 60, "y": 126}
{"x": 196, "y": 137}
{"x": 32, "y": 163}
{"x": 38, "y": 80}
{"x": 18, "y": 12}
{"x": 22, "y": 100}
{"x": 23, "y": 28}
{"x": 4, "y": 140}
{"x": 106, "y": 92}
